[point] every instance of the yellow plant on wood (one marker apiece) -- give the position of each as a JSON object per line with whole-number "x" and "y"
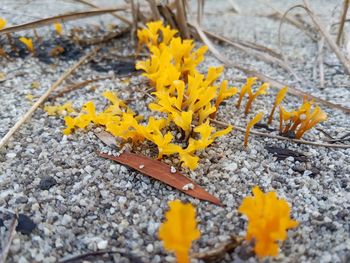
{"x": 268, "y": 221}
{"x": 179, "y": 230}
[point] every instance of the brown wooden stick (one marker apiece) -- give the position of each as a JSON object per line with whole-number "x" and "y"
{"x": 213, "y": 255}
{"x": 342, "y": 20}
{"x": 28, "y": 114}
{"x": 75, "y": 87}
{"x": 58, "y": 19}
{"x": 327, "y": 36}
{"x": 8, "y": 241}
{"x": 243, "y": 130}
{"x": 85, "y": 2}
{"x": 262, "y": 77}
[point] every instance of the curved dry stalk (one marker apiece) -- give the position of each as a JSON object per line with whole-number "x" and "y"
{"x": 260, "y": 55}
{"x": 342, "y": 20}
{"x": 317, "y": 22}
{"x": 278, "y": 137}
{"x": 58, "y": 19}
{"x": 43, "y": 97}
{"x": 85, "y": 2}
{"x": 262, "y": 77}
{"x": 8, "y": 241}
{"x": 280, "y": 15}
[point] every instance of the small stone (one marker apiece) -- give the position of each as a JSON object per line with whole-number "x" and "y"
{"x": 66, "y": 219}
{"x": 22, "y": 200}
{"x": 141, "y": 166}
{"x": 149, "y": 248}
{"x": 102, "y": 244}
{"x": 47, "y": 182}
{"x": 172, "y": 169}
{"x": 188, "y": 186}
{"x": 11, "y": 155}
{"x": 25, "y": 224}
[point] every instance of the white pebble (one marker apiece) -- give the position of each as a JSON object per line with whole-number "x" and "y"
{"x": 11, "y": 155}
{"x": 141, "y": 166}
{"x": 188, "y": 186}
{"x": 102, "y": 244}
{"x": 66, "y": 219}
{"x": 149, "y": 248}
{"x": 172, "y": 169}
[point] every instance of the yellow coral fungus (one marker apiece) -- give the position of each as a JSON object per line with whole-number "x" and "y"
{"x": 268, "y": 221}
{"x": 2, "y": 23}
{"x": 252, "y": 96}
{"x": 254, "y": 121}
{"x": 28, "y": 43}
{"x": 224, "y": 93}
{"x": 245, "y": 89}
{"x": 299, "y": 121}
{"x": 59, "y": 110}
{"x": 184, "y": 95}
{"x": 58, "y": 28}
{"x": 280, "y": 96}
{"x": 179, "y": 230}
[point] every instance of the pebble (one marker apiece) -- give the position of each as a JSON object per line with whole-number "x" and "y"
{"x": 149, "y": 248}
{"x": 11, "y": 155}
{"x": 102, "y": 244}
{"x": 66, "y": 219}
{"x": 47, "y": 182}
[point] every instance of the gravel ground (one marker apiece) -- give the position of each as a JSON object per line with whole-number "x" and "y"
{"x": 80, "y": 202}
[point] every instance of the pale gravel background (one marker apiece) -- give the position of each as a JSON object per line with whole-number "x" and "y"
{"x": 96, "y": 200}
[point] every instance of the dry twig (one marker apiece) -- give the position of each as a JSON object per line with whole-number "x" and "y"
{"x": 218, "y": 252}
{"x": 342, "y": 58}
{"x": 85, "y": 2}
{"x": 261, "y": 76}
{"x": 320, "y": 144}
{"x": 8, "y": 240}
{"x": 342, "y": 20}
{"x": 58, "y": 19}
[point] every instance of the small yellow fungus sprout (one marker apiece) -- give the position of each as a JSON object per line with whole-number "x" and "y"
{"x": 301, "y": 120}
{"x": 316, "y": 116}
{"x": 280, "y": 96}
{"x": 268, "y": 221}
{"x": 28, "y": 43}
{"x": 224, "y": 93}
{"x": 245, "y": 89}
{"x": 252, "y": 96}
{"x": 254, "y": 121}
{"x": 30, "y": 97}
{"x": 58, "y": 28}
{"x": 59, "y": 109}
{"x": 3, "y": 23}
{"x": 179, "y": 230}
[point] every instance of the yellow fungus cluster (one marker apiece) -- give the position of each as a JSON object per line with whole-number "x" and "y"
{"x": 184, "y": 96}
{"x": 301, "y": 120}
{"x": 268, "y": 221}
{"x": 179, "y": 230}
{"x": 247, "y": 89}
